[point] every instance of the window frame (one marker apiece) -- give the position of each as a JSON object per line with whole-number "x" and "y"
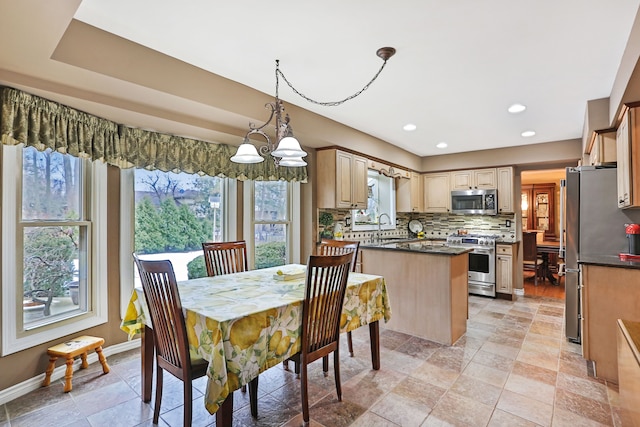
{"x": 127, "y": 229}
{"x": 292, "y": 251}
{"x": 14, "y": 337}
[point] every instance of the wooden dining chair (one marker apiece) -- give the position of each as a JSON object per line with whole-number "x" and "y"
{"x": 339, "y": 247}
{"x": 225, "y": 257}
{"x": 326, "y": 284}
{"x": 169, "y": 331}
{"x": 530, "y": 259}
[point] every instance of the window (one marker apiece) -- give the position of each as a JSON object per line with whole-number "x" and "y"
{"x": 174, "y": 214}
{"x": 381, "y": 200}
{"x": 168, "y": 215}
{"x": 52, "y": 284}
{"x": 273, "y": 222}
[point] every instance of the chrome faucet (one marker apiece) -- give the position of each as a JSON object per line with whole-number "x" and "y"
{"x": 380, "y": 224}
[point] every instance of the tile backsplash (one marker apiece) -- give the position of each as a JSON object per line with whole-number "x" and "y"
{"x": 435, "y": 226}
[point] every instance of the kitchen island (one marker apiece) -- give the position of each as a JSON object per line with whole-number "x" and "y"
{"x": 427, "y": 286}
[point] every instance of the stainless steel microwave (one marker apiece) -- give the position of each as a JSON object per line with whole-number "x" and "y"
{"x": 474, "y": 202}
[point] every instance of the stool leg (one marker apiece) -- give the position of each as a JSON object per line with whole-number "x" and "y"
{"x": 68, "y": 375}
{"x": 84, "y": 364}
{"x": 47, "y": 377}
{"x": 103, "y": 361}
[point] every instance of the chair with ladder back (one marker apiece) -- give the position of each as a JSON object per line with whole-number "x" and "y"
{"x": 339, "y": 247}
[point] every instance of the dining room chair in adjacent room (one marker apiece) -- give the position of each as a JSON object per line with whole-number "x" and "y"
{"x": 225, "y": 257}
{"x": 530, "y": 259}
{"x": 339, "y": 247}
{"x": 169, "y": 331}
{"x": 325, "y": 287}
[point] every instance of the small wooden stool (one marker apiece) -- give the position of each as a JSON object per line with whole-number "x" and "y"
{"x": 70, "y": 349}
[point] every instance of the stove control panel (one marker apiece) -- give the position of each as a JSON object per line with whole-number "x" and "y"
{"x": 471, "y": 240}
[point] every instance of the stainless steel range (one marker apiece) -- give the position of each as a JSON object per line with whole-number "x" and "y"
{"x": 482, "y": 261}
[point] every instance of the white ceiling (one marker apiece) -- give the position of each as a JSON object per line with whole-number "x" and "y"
{"x": 459, "y": 64}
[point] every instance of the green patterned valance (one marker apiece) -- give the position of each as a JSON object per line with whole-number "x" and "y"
{"x": 34, "y": 121}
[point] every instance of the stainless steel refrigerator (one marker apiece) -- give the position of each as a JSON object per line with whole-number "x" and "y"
{"x": 592, "y": 224}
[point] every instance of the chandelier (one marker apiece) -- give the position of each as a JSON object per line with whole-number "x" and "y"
{"x": 286, "y": 150}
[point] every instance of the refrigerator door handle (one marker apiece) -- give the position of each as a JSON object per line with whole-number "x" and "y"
{"x": 563, "y": 187}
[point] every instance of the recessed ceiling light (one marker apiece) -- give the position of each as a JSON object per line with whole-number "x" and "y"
{"x": 528, "y": 133}
{"x": 516, "y": 108}
{"x": 409, "y": 127}
{"x": 442, "y": 145}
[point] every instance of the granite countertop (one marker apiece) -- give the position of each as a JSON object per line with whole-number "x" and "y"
{"x": 437, "y": 247}
{"x": 608, "y": 261}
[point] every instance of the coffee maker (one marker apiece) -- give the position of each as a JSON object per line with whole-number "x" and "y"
{"x": 633, "y": 235}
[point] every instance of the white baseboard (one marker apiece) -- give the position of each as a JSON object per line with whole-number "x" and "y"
{"x": 518, "y": 291}
{"x": 35, "y": 383}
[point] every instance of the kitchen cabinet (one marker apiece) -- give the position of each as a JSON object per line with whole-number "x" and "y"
{"x": 505, "y": 190}
{"x": 474, "y": 179}
{"x": 628, "y": 159}
{"x": 603, "y": 150}
{"x": 629, "y": 369}
{"x": 608, "y": 294}
{"x": 504, "y": 268}
{"x": 342, "y": 180}
{"x": 437, "y": 193}
{"x": 409, "y": 194}
{"x": 538, "y": 209}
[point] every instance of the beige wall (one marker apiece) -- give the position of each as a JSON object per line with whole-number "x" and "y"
{"x": 545, "y": 155}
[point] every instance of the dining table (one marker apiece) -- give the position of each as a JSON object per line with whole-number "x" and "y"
{"x": 547, "y": 248}
{"x": 245, "y": 323}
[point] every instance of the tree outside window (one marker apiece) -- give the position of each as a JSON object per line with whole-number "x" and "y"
{"x": 271, "y": 223}
{"x": 54, "y": 224}
{"x": 174, "y": 215}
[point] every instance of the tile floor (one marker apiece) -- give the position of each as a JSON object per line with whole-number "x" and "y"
{"x": 513, "y": 367}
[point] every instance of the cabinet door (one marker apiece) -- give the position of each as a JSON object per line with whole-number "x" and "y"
{"x": 461, "y": 180}
{"x": 484, "y": 179}
{"x": 505, "y": 190}
{"x": 437, "y": 195}
{"x": 623, "y": 143}
{"x": 409, "y": 194}
{"x": 359, "y": 190}
{"x": 504, "y": 274}
{"x": 416, "y": 192}
{"x": 344, "y": 180}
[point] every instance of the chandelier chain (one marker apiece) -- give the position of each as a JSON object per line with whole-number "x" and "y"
{"x": 330, "y": 103}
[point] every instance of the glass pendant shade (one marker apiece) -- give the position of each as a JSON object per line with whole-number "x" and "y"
{"x": 247, "y": 153}
{"x": 292, "y": 162}
{"x": 288, "y": 147}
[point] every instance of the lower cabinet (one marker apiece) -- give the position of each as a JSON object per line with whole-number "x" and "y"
{"x": 504, "y": 269}
{"x": 629, "y": 371}
{"x": 609, "y": 294}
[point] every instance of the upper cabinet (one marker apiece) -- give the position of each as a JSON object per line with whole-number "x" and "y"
{"x": 505, "y": 190}
{"x": 342, "y": 180}
{"x": 409, "y": 194}
{"x": 437, "y": 193}
{"x": 628, "y": 158}
{"x": 603, "y": 150}
{"x": 474, "y": 179}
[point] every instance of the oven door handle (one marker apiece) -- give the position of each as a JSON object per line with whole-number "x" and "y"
{"x": 483, "y": 251}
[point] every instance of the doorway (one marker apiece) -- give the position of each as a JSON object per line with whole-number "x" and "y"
{"x": 540, "y": 205}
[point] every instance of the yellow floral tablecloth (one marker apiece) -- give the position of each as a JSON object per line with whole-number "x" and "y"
{"x": 245, "y": 323}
